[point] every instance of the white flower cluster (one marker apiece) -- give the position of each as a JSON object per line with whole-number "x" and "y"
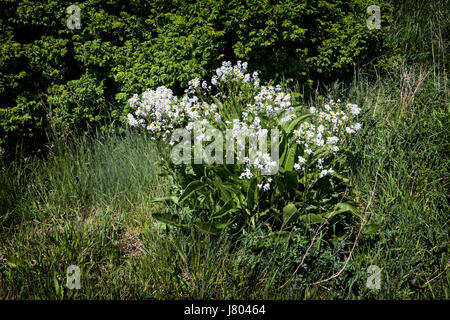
{"x": 160, "y": 112}
{"x": 265, "y": 186}
{"x": 156, "y": 105}
{"x": 327, "y": 129}
{"x": 241, "y": 131}
{"x": 271, "y": 101}
{"x": 229, "y": 72}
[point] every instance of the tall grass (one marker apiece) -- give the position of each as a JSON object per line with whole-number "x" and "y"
{"x": 80, "y": 206}
{"x": 409, "y": 144}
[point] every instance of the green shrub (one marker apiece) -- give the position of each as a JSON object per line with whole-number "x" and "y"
{"x": 299, "y": 184}
{"x": 76, "y": 102}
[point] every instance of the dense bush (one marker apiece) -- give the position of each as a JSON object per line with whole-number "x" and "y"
{"x": 288, "y": 178}
{"x": 72, "y": 78}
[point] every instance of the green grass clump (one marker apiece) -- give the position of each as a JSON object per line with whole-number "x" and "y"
{"x": 79, "y": 206}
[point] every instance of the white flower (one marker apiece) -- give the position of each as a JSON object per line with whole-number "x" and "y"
{"x": 255, "y": 79}
{"x": 319, "y": 163}
{"x": 323, "y": 173}
{"x": 161, "y": 113}
{"x": 131, "y": 120}
{"x": 320, "y": 129}
{"x": 134, "y": 100}
{"x": 246, "y": 174}
{"x": 319, "y": 142}
{"x": 194, "y": 82}
{"x": 354, "y": 109}
{"x": 190, "y": 126}
{"x": 349, "y": 130}
{"x": 332, "y": 140}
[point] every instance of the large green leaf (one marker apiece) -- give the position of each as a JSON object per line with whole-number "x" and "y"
{"x": 168, "y": 219}
{"x": 283, "y": 148}
{"x": 288, "y": 212}
{"x": 252, "y": 194}
{"x": 340, "y": 177}
{"x": 206, "y": 228}
{"x": 290, "y": 158}
{"x": 290, "y": 126}
{"x": 223, "y": 172}
{"x": 190, "y": 189}
{"x": 169, "y": 198}
{"x": 342, "y": 208}
{"x": 282, "y": 236}
{"x": 228, "y": 112}
{"x": 291, "y": 180}
{"x": 226, "y": 209}
{"x": 370, "y": 229}
{"x": 312, "y": 218}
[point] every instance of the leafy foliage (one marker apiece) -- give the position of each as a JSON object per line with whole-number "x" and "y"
{"x": 213, "y": 195}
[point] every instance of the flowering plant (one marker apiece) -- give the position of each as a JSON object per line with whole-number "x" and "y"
{"x": 297, "y": 181}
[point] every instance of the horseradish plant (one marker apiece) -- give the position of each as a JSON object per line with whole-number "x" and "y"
{"x": 295, "y": 180}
